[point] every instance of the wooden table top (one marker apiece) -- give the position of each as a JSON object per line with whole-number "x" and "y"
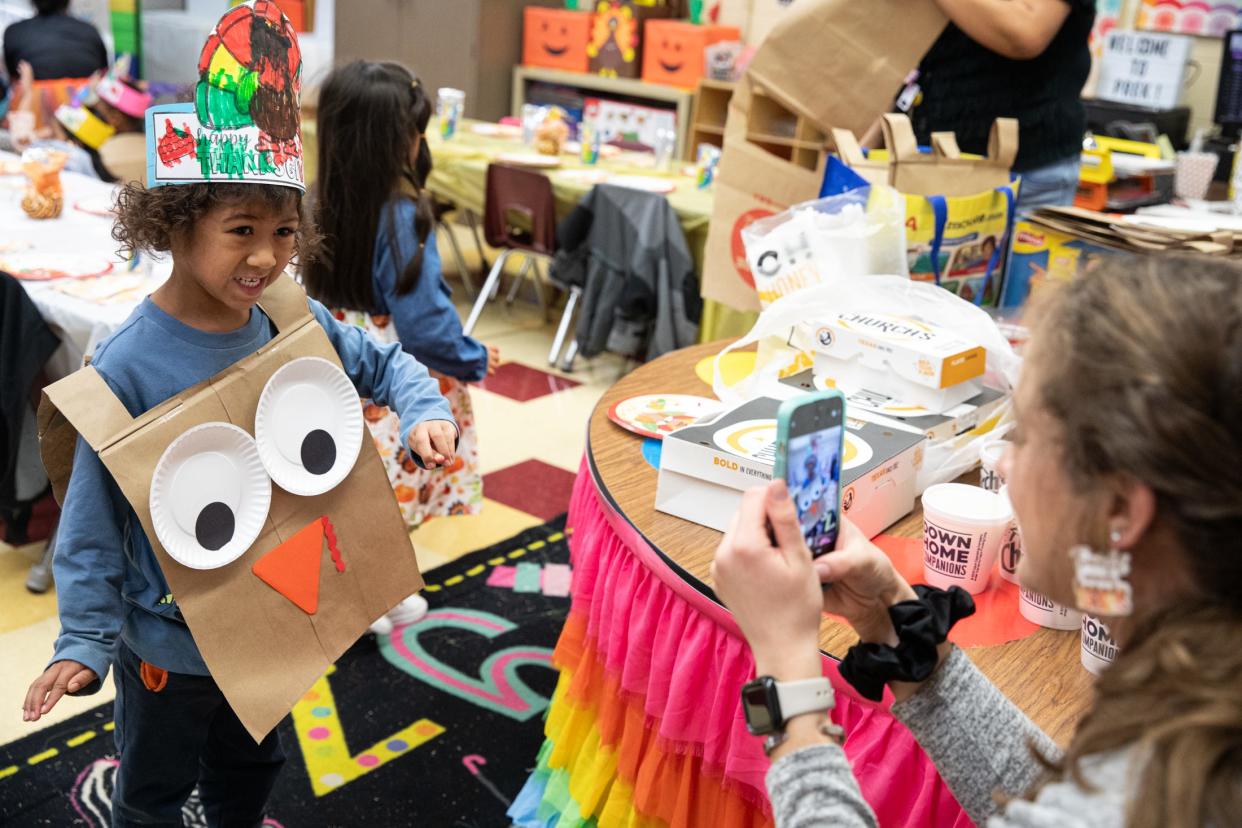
{"x": 1041, "y": 673}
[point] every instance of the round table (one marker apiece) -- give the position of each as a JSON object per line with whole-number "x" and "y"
{"x": 646, "y": 633}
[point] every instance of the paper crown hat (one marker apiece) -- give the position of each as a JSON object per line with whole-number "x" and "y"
{"x": 244, "y": 123}
{"x": 114, "y": 92}
{"x": 84, "y": 125}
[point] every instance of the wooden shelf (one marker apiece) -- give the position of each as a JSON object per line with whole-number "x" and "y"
{"x": 683, "y": 99}
{"x": 784, "y": 141}
{"x": 709, "y": 129}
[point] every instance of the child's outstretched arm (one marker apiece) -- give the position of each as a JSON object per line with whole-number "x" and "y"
{"x": 89, "y": 569}
{"x": 425, "y": 318}
{"x": 391, "y": 377}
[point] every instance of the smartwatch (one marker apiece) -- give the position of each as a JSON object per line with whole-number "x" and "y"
{"x": 769, "y": 703}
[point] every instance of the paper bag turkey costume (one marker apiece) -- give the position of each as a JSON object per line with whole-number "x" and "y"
{"x": 270, "y": 514}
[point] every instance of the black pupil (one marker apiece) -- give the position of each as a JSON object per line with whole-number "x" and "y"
{"x": 214, "y": 527}
{"x": 318, "y": 452}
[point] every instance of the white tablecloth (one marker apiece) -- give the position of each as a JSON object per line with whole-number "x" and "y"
{"x": 79, "y": 323}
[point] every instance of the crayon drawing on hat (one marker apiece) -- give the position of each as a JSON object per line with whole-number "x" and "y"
{"x": 243, "y": 125}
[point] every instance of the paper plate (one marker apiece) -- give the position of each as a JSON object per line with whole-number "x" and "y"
{"x": 644, "y": 182}
{"x": 209, "y": 496}
{"x": 656, "y": 415}
{"x": 309, "y": 426}
{"x": 10, "y": 166}
{"x": 605, "y": 150}
{"x": 497, "y": 130}
{"x": 752, "y": 439}
{"x": 37, "y": 266}
{"x": 98, "y": 205}
{"x": 529, "y": 159}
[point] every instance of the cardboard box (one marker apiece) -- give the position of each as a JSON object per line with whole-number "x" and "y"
{"x": 704, "y": 468}
{"x": 674, "y": 50}
{"x": 955, "y": 421}
{"x": 615, "y": 49}
{"x": 555, "y": 38}
{"x": 904, "y": 363}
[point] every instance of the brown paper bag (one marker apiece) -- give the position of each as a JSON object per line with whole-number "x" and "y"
{"x": 827, "y": 64}
{"x": 262, "y": 650}
{"x": 941, "y": 172}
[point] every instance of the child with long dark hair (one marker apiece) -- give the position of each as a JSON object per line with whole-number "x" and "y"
{"x": 378, "y": 266}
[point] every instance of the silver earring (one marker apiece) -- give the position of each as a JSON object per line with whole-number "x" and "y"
{"x": 1101, "y": 579}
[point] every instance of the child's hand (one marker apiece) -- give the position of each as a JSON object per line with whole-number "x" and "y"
{"x": 62, "y": 677}
{"x": 435, "y": 442}
{"x": 493, "y": 359}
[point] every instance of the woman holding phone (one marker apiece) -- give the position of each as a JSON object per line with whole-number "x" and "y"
{"x": 1127, "y": 448}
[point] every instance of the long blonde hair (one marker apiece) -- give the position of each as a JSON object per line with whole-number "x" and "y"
{"x": 1147, "y": 384}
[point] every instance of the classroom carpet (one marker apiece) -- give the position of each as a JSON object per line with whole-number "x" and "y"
{"x": 437, "y": 724}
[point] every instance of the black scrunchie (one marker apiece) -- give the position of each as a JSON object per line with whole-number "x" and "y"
{"x": 921, "y": 625}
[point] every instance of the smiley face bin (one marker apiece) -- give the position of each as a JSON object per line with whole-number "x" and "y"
{"x": 270, "y": 515}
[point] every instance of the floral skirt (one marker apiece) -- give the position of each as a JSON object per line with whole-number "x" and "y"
{"x": 421, "y": 493}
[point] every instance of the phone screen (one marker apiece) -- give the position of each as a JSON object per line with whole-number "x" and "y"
{"x": 813, "y": 474}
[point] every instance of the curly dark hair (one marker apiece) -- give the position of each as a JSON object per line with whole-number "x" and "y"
{"x": 150, "y": 219}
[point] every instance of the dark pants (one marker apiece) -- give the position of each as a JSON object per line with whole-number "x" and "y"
{"x": 179, "y": 737}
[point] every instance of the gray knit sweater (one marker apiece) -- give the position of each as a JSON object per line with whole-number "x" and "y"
{"x": 979, "y": 741}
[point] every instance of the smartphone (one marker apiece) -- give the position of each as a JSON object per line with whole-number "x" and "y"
{"x": 810, "y": 439}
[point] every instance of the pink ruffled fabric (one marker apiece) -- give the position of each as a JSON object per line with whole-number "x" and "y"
{"x": 683, "y": 656}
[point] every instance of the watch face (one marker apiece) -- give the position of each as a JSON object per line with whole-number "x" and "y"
{"x": 760, "y": 706}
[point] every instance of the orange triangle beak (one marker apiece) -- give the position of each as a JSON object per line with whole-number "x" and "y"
{"x": 292, "y": 569}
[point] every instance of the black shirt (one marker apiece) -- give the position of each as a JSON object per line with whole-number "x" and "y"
{"x": 966, "y": 87}
{"x": 57, "y": 46}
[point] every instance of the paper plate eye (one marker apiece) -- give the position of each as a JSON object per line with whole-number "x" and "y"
{"x": 309, "y": 426}
{"x": 209, "y": 496}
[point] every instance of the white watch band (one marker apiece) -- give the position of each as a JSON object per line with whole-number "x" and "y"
{"x": 806, "y": 696}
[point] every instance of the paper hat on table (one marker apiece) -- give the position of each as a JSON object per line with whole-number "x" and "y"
{"x": 84, "y": 125}
{"x": 268, "y": 508}
{"x": 244, "y": 123}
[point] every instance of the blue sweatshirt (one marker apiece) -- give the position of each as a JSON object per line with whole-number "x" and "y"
{"x": 425, "y": 319}
{"x": 108, "y": 581}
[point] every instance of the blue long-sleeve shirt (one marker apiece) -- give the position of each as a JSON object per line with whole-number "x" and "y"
{"x": 108, "y": 581}
{"x": 426, "y": 321}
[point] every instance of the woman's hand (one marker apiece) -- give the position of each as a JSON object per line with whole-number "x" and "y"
{"x": 861, "y": 584}
{"x": 434, "y": 441}
{"x": 769, "y": 584}
{"x": 58, "y": 679}
{"x": 493, "y": 359}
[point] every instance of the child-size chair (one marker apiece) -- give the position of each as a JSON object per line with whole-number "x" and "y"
{"x": 519, "y": 216}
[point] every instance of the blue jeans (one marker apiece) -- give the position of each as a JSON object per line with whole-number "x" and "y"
{"x": 183, "y": 735}
{"x": 1053, "y": 185}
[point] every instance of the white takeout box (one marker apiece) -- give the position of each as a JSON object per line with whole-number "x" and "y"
{"x": 955, "y": 421}
{"x": 703, "y": 482}
{"x": 897, "y": 357}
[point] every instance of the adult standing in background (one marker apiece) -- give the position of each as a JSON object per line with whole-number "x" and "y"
{"x": 1024, "y": 59}
{"x": 55, "y": 44}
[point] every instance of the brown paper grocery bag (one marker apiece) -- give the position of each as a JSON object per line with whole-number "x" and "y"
{"x": 262, "y": 650}
{"x": 827, "y": 64}
{"x": 841, "y": 63}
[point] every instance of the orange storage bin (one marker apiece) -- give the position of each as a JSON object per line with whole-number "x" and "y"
{"x": 673, "y": 50}
{"x": 556, "y": 38}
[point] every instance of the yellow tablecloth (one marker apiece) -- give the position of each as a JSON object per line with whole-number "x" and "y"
{"x": 459, "y": 175}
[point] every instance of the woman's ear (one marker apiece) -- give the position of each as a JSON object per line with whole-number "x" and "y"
{"x": 1132, "y": 513}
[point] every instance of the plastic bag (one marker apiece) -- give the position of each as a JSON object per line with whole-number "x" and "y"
{"x": 851, "y": 234}
{"x": 943, "y": 460}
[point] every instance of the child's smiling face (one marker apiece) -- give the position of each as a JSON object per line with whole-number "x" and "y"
{"x": 236, "y": 249}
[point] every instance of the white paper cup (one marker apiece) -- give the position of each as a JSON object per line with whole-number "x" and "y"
{"x": 990, "y": 455}
{"x": 1098, "y": 647}
{"x": 962, "y": 530}
{"x": 1047, "y": 613}
{"x": 1010, "y": 552}
{"x": 1193, "y": 174}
